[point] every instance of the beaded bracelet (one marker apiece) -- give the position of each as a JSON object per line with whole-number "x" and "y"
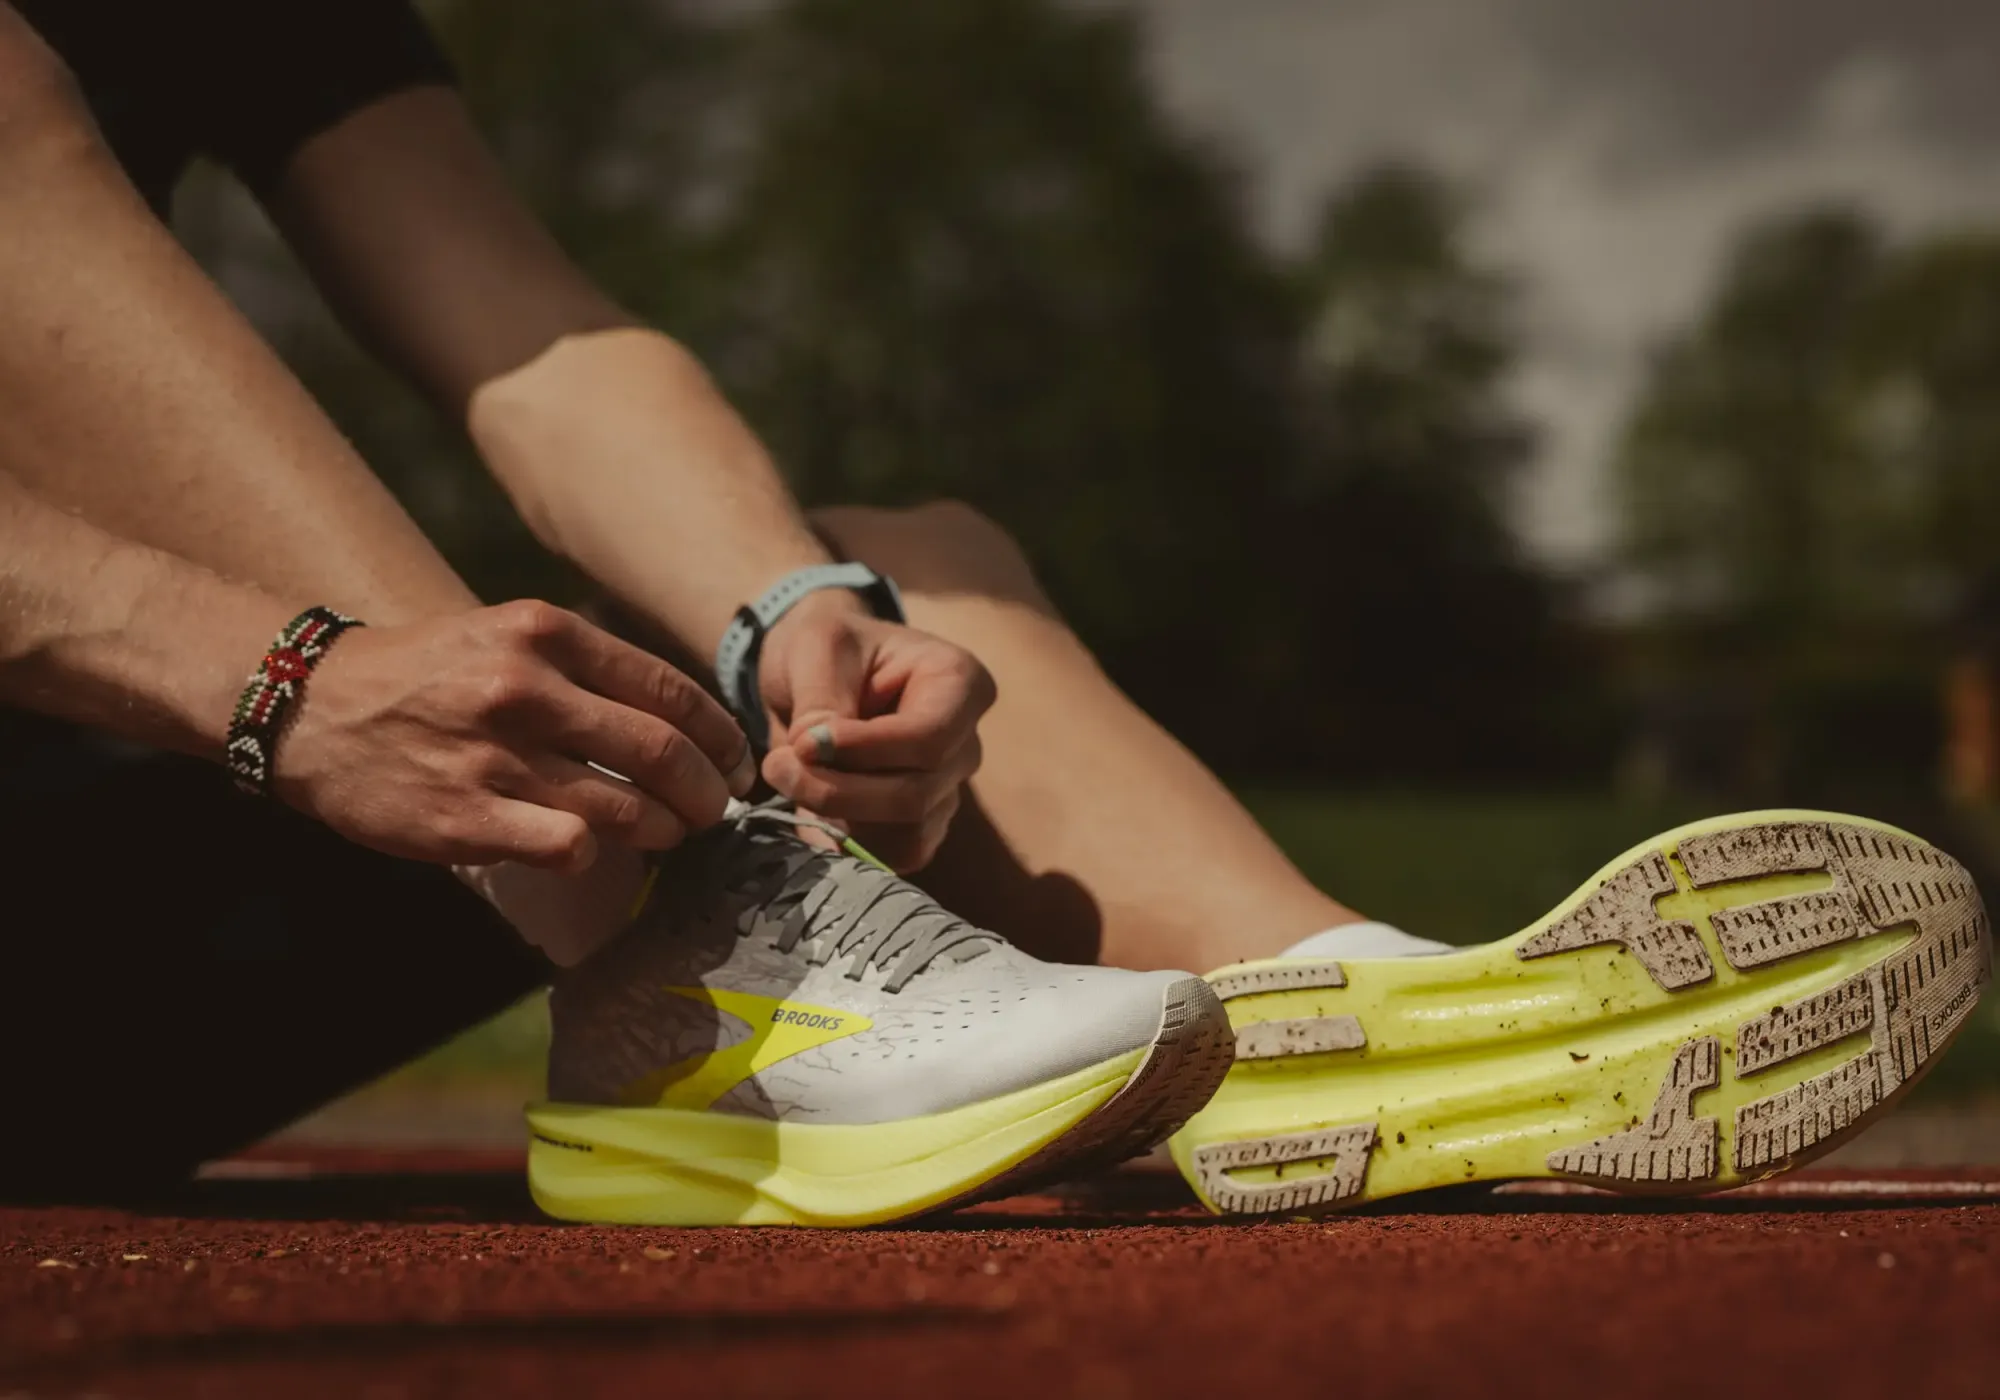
{"x": 274, "y": 691}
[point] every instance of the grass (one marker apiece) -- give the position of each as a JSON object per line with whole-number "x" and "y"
{"x": 1465, "y": 869}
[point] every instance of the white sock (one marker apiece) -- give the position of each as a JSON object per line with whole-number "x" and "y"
{"x": 1365, "y": 940}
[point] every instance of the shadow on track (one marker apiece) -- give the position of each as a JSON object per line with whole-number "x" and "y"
{"x": 1138, "y": 1199}
{"x": 596, "y": 1330}
{"x": 387, "y": 1197}
{"x": 1127, "y": 1199}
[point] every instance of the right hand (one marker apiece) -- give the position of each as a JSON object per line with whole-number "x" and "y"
{"x": 466, "y": 740}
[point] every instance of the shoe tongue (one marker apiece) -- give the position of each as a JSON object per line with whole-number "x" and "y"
{"x": 976, "y": 944}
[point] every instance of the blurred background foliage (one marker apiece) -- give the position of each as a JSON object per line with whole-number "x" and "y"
{"x": 961, "y": 250}
{"x": 1812, "y": 504}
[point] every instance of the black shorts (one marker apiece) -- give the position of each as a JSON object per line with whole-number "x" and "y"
{"x": 192, "y": 969}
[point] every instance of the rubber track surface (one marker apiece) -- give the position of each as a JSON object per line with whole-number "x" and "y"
{"x": 397, "y": 1277}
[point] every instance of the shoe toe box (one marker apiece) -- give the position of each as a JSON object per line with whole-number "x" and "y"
{"x": 979, "y": 1031}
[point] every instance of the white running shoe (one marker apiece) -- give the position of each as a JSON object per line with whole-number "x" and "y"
{"x": 789, "y": 1035}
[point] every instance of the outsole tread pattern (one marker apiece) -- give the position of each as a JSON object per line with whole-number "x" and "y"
{"x": 1752, "y": 852}
{"x": 1622, "y": 912}
{"x": 1771, "y": 1131}
{"x": 1673, "y": 1145}
{"x": 1910, "y": 1002}
{"x": 1280, "y": 977}
{"x": 1787, "y": 1032}
{"x": 1900, "y": 1011}
{"x": 1754, "y": 935}
{"x": 1346, "y": 1151}
{"x": 1305, "y": 1035}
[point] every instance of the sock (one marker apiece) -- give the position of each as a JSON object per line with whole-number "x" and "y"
{"x": 567, "y": 916}
{"x": 1365, "y": 940}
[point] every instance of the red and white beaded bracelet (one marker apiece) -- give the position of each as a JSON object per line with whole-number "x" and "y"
{"x": 273, "y": 692}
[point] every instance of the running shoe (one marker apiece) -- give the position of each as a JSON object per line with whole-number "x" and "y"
{"x": 791, "y": 1035}
{"x": 1719, "y": 1004}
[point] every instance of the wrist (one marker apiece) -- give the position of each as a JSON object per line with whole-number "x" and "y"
{"x": 270, "y": 699}
{"x": 832, "y": 611}
{"x": 828, "y": 605}
{"x": 175, "y": 647}
{"x": 113, "y": 635}
{"x": 842, "y": 594}
{"x": 240, "y": 623}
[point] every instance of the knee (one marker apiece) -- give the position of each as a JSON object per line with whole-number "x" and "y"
{"x": 40, "y": 103}
{"x": 940, "y": 546}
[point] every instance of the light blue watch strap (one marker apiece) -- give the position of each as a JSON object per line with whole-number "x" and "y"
{"x": 737, "y": 654}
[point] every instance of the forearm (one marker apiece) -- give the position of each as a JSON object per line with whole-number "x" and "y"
{"x": 624, "y": 457}
{"x": 611, "y": 439}
{"x": 121, "y": 637}
{"x": 132, "y": 393}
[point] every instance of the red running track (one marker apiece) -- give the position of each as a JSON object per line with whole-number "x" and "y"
{"x": 397, "y": 1276}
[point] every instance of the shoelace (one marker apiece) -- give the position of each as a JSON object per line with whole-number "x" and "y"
{"x": 853, "y": 907}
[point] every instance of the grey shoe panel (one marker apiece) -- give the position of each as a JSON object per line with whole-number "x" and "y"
{"x": 964, "y": 1040}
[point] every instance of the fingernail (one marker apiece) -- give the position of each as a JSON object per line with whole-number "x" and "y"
{"x": 743, "y": 776}
{"x": 823, "y": 746}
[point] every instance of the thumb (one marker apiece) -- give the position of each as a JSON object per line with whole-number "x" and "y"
{"x": 822, "y": 682}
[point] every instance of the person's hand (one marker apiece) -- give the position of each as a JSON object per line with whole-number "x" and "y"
{"x": 468, "y": 739}
{"x": 877, "y": 724}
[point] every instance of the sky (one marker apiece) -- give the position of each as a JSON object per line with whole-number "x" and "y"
{"x": 1613, "y": 148}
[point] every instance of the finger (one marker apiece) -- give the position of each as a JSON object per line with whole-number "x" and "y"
{"x": 892, "y": 798}
{"x": 936, "y": 713}
{"x": 818, "y": 745}
{"x": 533, "y": 835}
{"x": 822, "y": 681}
{"x": 636, "y": 678}
{"x": 614, "y": 809}
{"x": 658, "y": 759}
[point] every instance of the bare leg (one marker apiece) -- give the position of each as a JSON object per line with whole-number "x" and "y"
{"x": 1092, "y": 833}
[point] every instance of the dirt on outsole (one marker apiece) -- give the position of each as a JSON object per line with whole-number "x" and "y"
{"x": 386, "y": 1276}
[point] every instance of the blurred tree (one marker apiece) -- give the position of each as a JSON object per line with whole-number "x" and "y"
{"x": 1809, "y": 492}
{"x": 1745, "y": 477}
{"x": 1428, "y": 645}
{"x": 1408, "y": 342}
{"x": 1929, "y": 358}
{"x": 1931, "y": 355}
{"x": 607, "y": 120}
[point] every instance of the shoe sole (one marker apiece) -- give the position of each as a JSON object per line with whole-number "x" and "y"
{"x": 1721, "y": 1003}
{"x": 669, "y": 1166}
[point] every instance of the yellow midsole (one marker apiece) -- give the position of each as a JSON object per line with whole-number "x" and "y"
{"x": 1478, "y": 1064}
{"x": 673, "y": 1166}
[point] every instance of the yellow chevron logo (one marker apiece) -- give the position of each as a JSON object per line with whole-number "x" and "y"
{"x": 778, "y": 1030}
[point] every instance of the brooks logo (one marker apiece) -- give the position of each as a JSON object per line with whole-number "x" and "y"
{"x": 1943, "y": 1017}
{"x": 809, "y": 1020}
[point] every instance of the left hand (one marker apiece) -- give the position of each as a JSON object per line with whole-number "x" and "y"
{"x": 876, "y": 724}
